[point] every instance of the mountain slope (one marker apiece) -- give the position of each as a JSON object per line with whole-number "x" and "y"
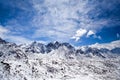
{"x": 58, "y": 61}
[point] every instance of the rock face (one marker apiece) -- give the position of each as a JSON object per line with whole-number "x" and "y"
{"x": 116, "y": 50}
{"x": 58, "y": 61}
{"x": 35, "y": 48}
{"x": 2, "y": 41}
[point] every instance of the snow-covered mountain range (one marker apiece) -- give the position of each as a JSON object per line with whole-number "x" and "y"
{"x": 59, "y": 61}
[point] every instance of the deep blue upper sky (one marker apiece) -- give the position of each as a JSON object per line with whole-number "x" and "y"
{"x": 80, "y": 22}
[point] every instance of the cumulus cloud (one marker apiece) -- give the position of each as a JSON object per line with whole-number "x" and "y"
{"x": 79, "y": 33}
{"x": 83, "y": 32}
{"x": 90, "y": 32}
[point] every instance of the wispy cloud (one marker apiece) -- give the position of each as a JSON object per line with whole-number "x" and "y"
{"x": 60, "y": 19}
{"x": 7, "y": 34}
{"x": 3, "y": 31}
{"x": 18, "y": 39}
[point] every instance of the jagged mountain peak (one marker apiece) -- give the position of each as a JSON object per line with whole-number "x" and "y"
{"x": 58, "y": 61}
{"x": 2, "y": 41}
{"x": 35, "y": 43}
{"x": 36, "y": 47}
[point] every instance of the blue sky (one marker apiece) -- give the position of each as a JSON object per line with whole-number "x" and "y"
{"x": 79, "y": 22}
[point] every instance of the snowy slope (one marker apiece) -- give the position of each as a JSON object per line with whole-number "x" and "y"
{"x": 58, "y": 61}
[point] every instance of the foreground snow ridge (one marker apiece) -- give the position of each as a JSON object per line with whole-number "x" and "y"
{"x": 58, "y": 61}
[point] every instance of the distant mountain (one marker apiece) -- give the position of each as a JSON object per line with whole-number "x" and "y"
{"x": 116, "y": 50}
{"x": 59, "y": 61}
{"x": 35, "y": 47}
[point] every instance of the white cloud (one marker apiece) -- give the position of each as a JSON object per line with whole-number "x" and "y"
{"x": 3, "y": 31}
{"x": 57, "y": 22}
{"x": 90, "y": 32}
{"x": 93, "y": 34}
{"x": 110, "y": 45}
{"x": 18, "y": 39}
{"x": 79, "y": 33}
{"x": 61, "y": 19}
{"x": 7, "y": 34}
